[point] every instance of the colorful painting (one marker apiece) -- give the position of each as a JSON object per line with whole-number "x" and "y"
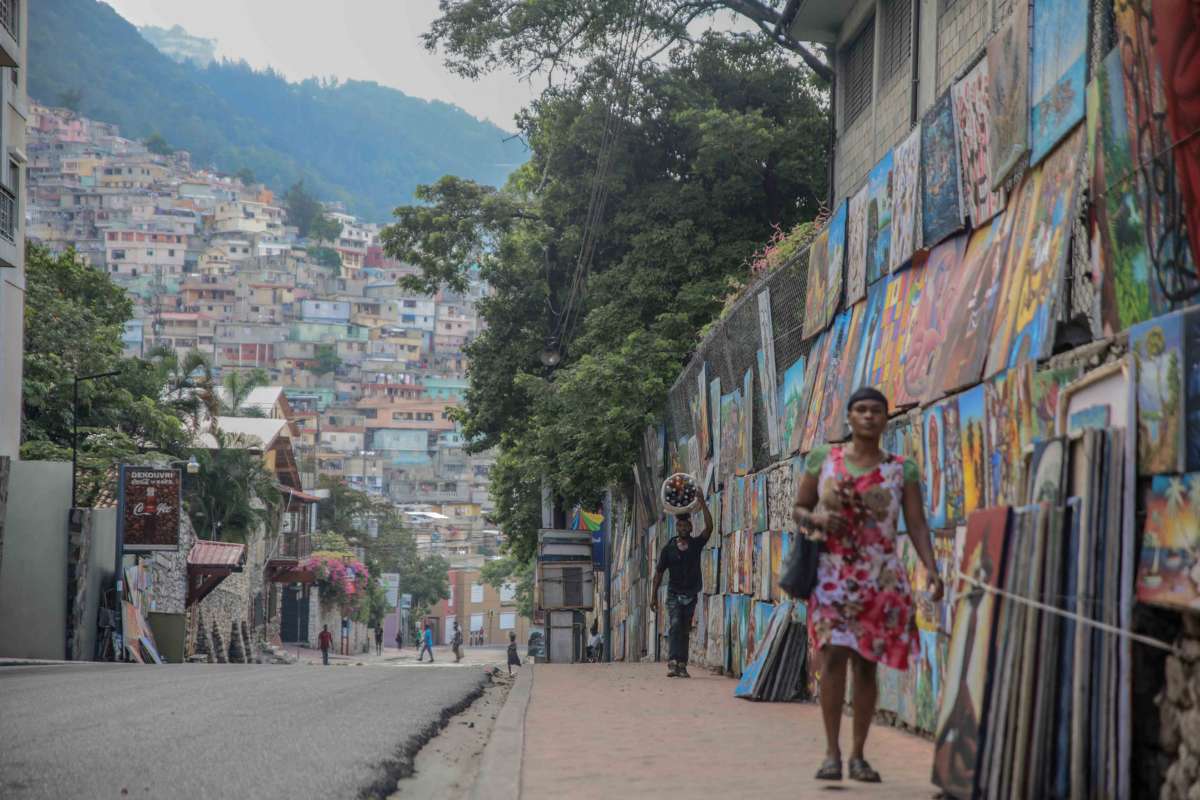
{"x": 929, "y": 326}
{"x": 962, "y": 716}
{"x": 971, "y": 437}
{"x": 756, "y": 569}
{"x": 699, "y": 408}
{"x": 974, "y": 125}
{"x": 1044, "y": 391}
{"x": 758, "y": 517}
{"x": 766, "y": 370}
{"x": 899, "y": 308}
{"x": 1008, "y": 415}
{"x": 906, "y": 196}
{"x": 864, "y": 357}
{"x": 1057, "y": 72}
{"x": 879, "y": 219}
{"x": 1047, "y": 472}
{"x": 1022, "y": 210}
{"x": 935, "y": 469}
{"x": 856, "y": 246}
{"x": 1191, "y": 345}
{"x": 818, "y": 282}
{"x": 835, "y": 263}
{"x": 793, "y": 406}
{"x": 941, "y": 188}
{"x": 1176, "y": 47}
{"x": 827, "y": 426}
{"x": 731, "y": 431}
{"x": 714, "y": 411}
{"x": 961, "y": 360}
{"x": 1090, "y": 417}
{"x": 952, "y": 464}
{"x": 745, "y": 459}
{"x": 1008, "y": 94}
{"x": 1034, "y": 288}
{"x": 776, "y": 594}
{"x": 1169, "y": 567}
{"x": 1159, "y": 352}
{"x": 818, "y": 360}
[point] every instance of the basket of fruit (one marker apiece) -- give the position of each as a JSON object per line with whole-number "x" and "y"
{"x": 680, "y": 494}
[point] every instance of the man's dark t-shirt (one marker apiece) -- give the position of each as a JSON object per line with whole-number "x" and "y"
{"x": 683, "y": 566}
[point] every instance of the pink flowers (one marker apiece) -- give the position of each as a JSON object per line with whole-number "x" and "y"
{"x": 340, "y": 579}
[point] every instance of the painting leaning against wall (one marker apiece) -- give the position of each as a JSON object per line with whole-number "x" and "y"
{"x": 1057, "y": 72}
{"x": 835, "y": 262}
{"x": 1169, "y": 567}
{"x": 941, "y": 186}
{"x": 856, "y": 246}
{"x": 879, "y": 219}
{"x": 906, "y": 199}
{"x": 1008, "y": 94}
{"x": 973, "y": 124}
{"x": 817, "y": 285}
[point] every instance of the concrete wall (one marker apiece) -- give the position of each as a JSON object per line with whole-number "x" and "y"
{"x": 101, "y": 574}
{"x": 33, "y": 575}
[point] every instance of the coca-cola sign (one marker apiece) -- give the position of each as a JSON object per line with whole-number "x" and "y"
{"x": 150, "y": 498}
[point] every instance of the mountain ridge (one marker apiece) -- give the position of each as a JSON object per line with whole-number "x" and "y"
{"x": 358, "y": 142}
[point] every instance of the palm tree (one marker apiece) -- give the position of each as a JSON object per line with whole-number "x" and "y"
{"x": 235, "y": 494}
{"x": 238, "y": 386}
{"x": 188, "y": 384}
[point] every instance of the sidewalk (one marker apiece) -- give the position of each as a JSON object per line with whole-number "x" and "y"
{"x": 626, "y": 730}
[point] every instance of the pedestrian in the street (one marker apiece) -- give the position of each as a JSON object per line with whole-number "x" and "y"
{"x": 426, "y": 644}
{"x": 325, "y": 641}
{"x": 861, "y": 609}
{"x": 400, "y": 638}
{"x": 456, "y": 643}
{"x": 378, "y": 640}
{"x": 681, "y": 558}
{"x": 514, "y": 660}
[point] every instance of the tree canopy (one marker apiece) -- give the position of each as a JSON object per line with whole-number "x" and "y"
{"x": 713, "y": 153}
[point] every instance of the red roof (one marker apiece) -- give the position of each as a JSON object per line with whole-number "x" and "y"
{"x": 216, "y": 554}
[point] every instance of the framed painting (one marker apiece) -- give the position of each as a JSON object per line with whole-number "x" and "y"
{"x": 906, "y": 198}
{"x": 835, "y": 261}
{"x": 817, "y": 285}
{"x": 973, "y": 122}
{"x": 1008, "y": 94}
{"x": 879, "y": 219}
{"x": 1057, "y": 72}
{"x": 934, "y": 489}
{"x": 952, "y": 463}
{"x": 941, "y": 187}
{"x": 793, "y": 406}
{"x": 1161, "y": 357}
{"x": 856, "y": 246}
{"x": 944, "y": 284}
{"x": 1169, "y": 568}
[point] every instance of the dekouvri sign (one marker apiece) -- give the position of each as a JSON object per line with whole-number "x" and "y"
{"x": 150, "y": 500}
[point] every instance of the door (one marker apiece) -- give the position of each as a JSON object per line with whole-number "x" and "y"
{"x": 293, "y": 622}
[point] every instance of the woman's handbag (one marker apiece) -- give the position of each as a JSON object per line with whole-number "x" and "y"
{"x": 799, "y": 575}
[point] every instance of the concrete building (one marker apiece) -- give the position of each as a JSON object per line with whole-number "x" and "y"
{"x": 480, "y": 609}
{"x": 13, "y": 115}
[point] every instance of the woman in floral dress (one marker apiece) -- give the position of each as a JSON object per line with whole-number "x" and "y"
{"x": 861, "y": 610}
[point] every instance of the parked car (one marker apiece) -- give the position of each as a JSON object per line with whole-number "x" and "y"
{"x": 536, "y": 647}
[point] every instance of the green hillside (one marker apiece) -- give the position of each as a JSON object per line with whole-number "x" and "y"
{"x": 358, "y": 142}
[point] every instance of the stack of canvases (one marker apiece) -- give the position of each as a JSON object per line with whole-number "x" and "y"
{"x": 1037, "y": 696}
{"x": 780, "y": 667}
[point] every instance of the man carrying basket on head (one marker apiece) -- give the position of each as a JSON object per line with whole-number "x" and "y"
{"x": 681, "y": 557}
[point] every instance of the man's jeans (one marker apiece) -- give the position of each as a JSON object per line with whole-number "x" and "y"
{"x": 680, "y": 608}
{"x": 325, "y": 655}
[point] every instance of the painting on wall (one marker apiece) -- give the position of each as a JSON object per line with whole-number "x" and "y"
{"x": 1022, "y": 210}
{"x": 760, "y": 515}
{"x": 840, "y": 383}
{"x": 952, "y": 463}
{"x": 974, "y": 125}
{"x": 962, "y": 716}
{"x": 731, "y": 431}
{"x": 1008, "y": 419}
{"x": 864, "y": 356}
{"x": 699, "y": 408}
{"x": 822, "y": 412}
{"x": 856, "y": 246}
{"x": 1159, "y": 351}
{"x": 1033, "y": 289}
{"x": 899, "y": 306}
{"x": 835, "y": 262}
{"x": 818, "y": 274}
{"x": 745, "y": 459}
{"x": 961, "y": 360}
{"x": 818, "y": 360}
{"x": 972, "y": 439}
{"x": 766, "y": 370}
{"x": 1057, "y": 72}
{"x": 906, "y": 196}
{"x": 793, "y": 406}
{"x": 879, "y": 219}
{"x": 1044, "y": 390}
{"x": 1176, "y": 39}
{"x": 776, "y": 594}
{"x": 1047, "y": 472}
{"x": 1008, "y": 94}
{"x": 714, "y": 411}
{"x": 1169, "y": 567}
{"x": 941, "y": 188}
{"x": 935, "y": 467}
{"x": 945, "y": 282}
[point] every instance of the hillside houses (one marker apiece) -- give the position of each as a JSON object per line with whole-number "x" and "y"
{"x": 368, "y": 370}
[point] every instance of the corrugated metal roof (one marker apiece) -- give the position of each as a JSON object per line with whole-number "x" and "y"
{"x": 216, "y": 554}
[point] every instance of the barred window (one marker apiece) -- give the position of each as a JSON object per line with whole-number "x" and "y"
{"x": 858, "y": 58}
{"x": 897, "y": 40}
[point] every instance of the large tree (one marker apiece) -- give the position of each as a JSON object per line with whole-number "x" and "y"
{"x": 705, "y": 158}
{"x": 547, "y": 36}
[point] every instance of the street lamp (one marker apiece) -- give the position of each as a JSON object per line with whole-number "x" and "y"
{"x": 78, "y": 379}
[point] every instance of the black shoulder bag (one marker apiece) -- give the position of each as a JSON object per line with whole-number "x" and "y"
{"x": 799, "y": 575}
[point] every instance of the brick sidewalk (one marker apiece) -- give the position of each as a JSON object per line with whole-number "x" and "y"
{"x": 626, "y": 730}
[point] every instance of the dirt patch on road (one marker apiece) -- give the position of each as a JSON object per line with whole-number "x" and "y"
{"x": 446, "y": 767}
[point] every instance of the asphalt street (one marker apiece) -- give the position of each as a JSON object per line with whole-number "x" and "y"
{"x": 210, "y": 731}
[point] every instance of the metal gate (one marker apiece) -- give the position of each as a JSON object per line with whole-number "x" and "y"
{"x": 293, "y": 623}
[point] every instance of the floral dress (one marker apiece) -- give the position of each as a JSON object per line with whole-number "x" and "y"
{"x": 861, "y": 599}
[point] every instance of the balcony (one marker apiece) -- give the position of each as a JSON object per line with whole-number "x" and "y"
{"x": 295, "y": 545}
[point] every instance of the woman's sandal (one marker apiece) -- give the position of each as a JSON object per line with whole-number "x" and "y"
{"x": 831, "y": 770}
{"x": 860, "y": 770}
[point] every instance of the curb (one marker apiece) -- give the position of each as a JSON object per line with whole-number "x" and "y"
{"x": 499, "y": 775}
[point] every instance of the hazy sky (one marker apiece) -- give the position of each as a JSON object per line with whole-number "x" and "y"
{"x": 365, "y": 39}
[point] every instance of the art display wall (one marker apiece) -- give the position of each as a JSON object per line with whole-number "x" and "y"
{"x": 946, "y": 281}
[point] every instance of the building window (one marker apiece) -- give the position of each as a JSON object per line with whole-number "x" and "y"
{"x": 508, "y": 620}
{"x": 476, "y": 623}
{"x": 476, "y": 592}
{"x": 118, "y": 255}
{"x": 508, "y": 593}
{"x": 897, "y": 40}
{"x": 858, "y": 57}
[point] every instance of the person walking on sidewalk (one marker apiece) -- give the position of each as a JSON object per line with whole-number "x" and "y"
{"x": 400, "y": 638}
{"x": 426, "y": 643}
{"x": 681, "y": 557}
{"x": 378, "y": 639}
{"x": 325, "y": 641}
{"x": 861, "y": 609}
{"x": 514, "y": 660}
{"x": 455, "y": 643}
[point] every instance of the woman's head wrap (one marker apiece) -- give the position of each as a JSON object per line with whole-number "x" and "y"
{"x": 867, "y": 393}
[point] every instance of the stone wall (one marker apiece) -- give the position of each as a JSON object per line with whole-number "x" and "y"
{"x": 79, "y": 542}
{"x": 362, "y": 639}
{"x": 1179, "y": 705}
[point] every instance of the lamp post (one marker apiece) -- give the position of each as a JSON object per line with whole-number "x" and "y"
{"x": 78, "y": 379}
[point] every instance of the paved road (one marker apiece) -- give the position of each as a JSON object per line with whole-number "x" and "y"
{"x": 200, "y": 731}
